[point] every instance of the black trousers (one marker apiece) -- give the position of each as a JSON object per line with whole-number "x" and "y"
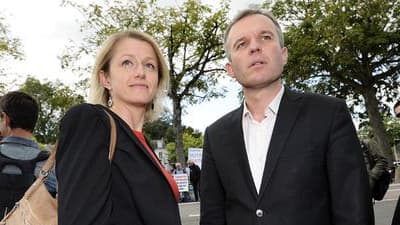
{"x": 196, "y": 190}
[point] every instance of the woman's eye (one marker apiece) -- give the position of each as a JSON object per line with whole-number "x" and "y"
{"x": 150, "y": 66}
{"x": 127, "y": 64}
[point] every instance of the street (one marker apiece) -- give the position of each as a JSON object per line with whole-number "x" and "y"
{"x": 190, "y": 212}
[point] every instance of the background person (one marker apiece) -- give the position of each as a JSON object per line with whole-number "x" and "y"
{"x": 376, "y": 166}
{"x": 282, "y": 157}
{"x": 130, "y": 77}
{"x": 195, "y": 173}
{"x": 396, "y": 216}
{"x": 20, "y": 157}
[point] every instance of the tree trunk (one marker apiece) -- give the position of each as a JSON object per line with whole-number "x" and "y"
{"x": 177, "y": 122}
{"x": 376, "y": 122}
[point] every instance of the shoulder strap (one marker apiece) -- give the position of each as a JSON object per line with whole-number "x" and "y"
{"x": 43, "y": 155}
{"x": 113, "y": 136}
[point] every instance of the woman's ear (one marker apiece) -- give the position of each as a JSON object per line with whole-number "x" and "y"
{"x": 105, "y": 80}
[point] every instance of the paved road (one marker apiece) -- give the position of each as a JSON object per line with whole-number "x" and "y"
{"x": 384, "y": 209}
{"x": 190, "y": 212}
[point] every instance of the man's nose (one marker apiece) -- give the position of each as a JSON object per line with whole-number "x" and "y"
{"x": 255, "y": 46}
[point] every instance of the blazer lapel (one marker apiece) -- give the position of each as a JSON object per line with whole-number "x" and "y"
{"x": 133, "y": 137}
{"x": 237, "y": 145}
{"x": 288, "y": 110}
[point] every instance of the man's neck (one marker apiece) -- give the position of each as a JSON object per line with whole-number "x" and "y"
{"x": 18, "y": 132}
{"x": 258, "y": 100}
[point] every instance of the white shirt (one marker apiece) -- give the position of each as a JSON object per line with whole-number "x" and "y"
{"x": 257, "y": 137}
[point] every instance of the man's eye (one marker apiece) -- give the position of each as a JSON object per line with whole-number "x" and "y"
{"x": 266, "y": 37}
{"x": 240, "y": 45}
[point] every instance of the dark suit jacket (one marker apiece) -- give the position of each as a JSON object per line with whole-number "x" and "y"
{"x": 130, "y": 190}
{"x": 314, "y": 172}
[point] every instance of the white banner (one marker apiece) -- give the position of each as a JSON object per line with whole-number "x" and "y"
{"x": 195, "y": 154}
{"x": 182, "y": 180}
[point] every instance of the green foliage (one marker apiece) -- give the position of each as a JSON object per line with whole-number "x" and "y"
{"x": 392, "y": 125}
{"x": 190, "y": 140}
{"x": 9, "y": 46}
{"x": 343, "y": 48}
{"x": 189, "y": 34}
{"x": 54, "y": 100}
{"x": 157, "y": 129}
{"x": 348, "y": 49}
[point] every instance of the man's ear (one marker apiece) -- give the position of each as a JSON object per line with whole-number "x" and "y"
{"x": 5, "y": 118}
{"x": 229, "y": 70}
{"x": 284, "y": 55}
{"x": 104, "y": 79}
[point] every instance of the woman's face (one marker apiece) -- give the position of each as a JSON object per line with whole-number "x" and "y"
{"x": 133, "y": 73}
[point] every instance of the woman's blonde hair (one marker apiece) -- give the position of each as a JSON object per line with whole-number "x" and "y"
{"x": 100, "y": 95}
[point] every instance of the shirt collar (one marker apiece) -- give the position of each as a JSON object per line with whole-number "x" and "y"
{"x": 273, "y": 106}
{"x": 20, "y": 140}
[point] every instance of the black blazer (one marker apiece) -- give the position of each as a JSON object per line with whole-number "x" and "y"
{"x": 314, "y": 172}
{"x": 130, "y": 190}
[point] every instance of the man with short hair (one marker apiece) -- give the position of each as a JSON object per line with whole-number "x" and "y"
{"x": 194, "y": 178}
{"x": 282, "y": 157}
{"x": 396, "y": 216}
{"x": 20, "y": 157}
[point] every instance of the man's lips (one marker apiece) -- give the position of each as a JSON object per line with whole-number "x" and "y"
{"x": 257, "y": 63}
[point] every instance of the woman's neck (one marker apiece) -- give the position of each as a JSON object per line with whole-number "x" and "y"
{"x": 132, "y": 115}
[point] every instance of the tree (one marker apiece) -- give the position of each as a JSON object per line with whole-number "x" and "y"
{"x": 54, "y": 100}
{"x": 10, "y": 47}
{"x": 392, "y": 127}
{"x": 156, "y": 130}
{"x": 190, "y": 36}
{"x": 190, "y": 140}
{"x": 349, "y": 49}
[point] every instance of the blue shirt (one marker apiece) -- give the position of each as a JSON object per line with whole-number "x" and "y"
{"x": 25, "y": 149}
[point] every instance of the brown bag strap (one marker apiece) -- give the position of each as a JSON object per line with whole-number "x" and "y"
{"x": 50, "y": 162}
{"x": 113, "y": 136}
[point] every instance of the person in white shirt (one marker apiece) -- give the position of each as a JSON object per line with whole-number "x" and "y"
{"x": 282, "y": 157}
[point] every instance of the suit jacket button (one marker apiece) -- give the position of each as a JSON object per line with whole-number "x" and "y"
{"x": 259, "y": 213}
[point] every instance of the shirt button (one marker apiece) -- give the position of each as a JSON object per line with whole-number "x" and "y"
{"x": 259, "y": 213}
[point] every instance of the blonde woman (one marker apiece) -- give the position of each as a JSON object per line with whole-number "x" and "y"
{"x": 129, "y": 80}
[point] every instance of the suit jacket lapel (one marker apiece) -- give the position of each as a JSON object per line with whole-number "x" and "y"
{"x": 133, "y": 137}
{"x": 287, "y": 114}
{"x": 237, "y": 144}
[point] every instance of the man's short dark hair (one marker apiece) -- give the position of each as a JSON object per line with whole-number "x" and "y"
{"x": 21, "y": 108}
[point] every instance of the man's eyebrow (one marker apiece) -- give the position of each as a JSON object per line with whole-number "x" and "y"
{"x": 267, "y": 32}
{"x": 237, "y": 41}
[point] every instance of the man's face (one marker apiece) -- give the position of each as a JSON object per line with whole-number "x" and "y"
{"x": 3, "y": 126}
{"x": 397, "y": 111}
{"x": 257, "y": 59}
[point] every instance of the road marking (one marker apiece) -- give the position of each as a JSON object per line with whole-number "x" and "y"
{"x": 388, "y": 200}
{"x": 194, "y": 215}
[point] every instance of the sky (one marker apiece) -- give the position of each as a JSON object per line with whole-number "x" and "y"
{"x": 45, "y": 28}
